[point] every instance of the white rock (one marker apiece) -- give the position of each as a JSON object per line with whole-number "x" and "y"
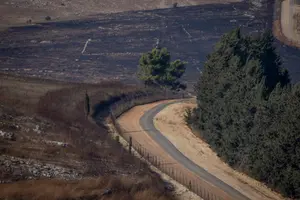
{"x": 45, "y": 42}
{"x": 8, "y": 136}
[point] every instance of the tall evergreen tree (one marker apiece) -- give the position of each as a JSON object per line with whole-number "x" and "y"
{"x": 249, "y": 112}
{"x": 156, "y": 69}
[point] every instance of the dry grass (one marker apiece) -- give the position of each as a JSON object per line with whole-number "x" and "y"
{"x": 19, "y": 12}
{"x": 23, "y": 93}
{"x": 58, "y": 109}
{"x": 146, "y": 188}
{"x": 90, "y": 142}
{"x": 62, "y": 106}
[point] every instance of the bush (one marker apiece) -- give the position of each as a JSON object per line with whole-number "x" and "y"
{"x": 156, "y": 69}
{"x": 188, "y": 116}
{"x": 48, "y": 18}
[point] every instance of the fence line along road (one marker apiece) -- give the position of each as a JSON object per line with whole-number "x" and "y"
{"x": 197, "y": 185}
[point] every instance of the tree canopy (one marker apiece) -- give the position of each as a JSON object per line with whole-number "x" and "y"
{"x": 155, "y": 68}
{"x": 249, "y": 112}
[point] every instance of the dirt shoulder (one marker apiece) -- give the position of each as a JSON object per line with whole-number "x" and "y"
{"x": 170, "y": 123}
{"x": 24, "y": 12}
{"x": 129, "y": 122}
{"x": 287, "y": 27}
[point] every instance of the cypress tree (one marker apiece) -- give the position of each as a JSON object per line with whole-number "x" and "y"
{"x": 249, "y": 112}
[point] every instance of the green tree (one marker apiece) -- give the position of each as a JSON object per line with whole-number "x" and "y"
{"x": 87, "y": 105}
{"x": 248, "y": 111}
{"x": 155, "y": 68}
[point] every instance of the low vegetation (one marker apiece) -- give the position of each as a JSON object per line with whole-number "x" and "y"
{"x": 53, "y": 135}
{"x": 107, "y": 187}
{"x": 156, "y": 69}
{"x": 249, "y": 112}
{"x": 47, "y": 18}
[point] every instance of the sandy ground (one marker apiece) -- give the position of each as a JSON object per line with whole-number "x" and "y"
{"x": 129, "y": 122}
{"x": 288, "y": 21}
{"x": 20, "y": 12}
{"x": 180, "y": 191}
{"x": 170, "y": 122}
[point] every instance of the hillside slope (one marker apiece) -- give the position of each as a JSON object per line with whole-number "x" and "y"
{"x": 18, "y": 12}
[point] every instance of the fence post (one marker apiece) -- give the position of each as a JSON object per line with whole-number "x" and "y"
{"x": 175, "y": 175}
{"x": 194, "y": 186}
{"x": 159, "y": 163}
{"x": 167, "y": 169}
{"x": 142, "y": 151}
{"x": 181, "y": 178}
{"x": 130, "y": 144}
{"x": 140, "y": 163}
{"x": 200, "y": 191}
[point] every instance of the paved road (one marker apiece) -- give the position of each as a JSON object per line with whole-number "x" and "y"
{"x": 146, "y": 123}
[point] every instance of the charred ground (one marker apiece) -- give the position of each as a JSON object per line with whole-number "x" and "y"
{"x": 54, "y": 50}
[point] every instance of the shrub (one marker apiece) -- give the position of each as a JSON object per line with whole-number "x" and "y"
{"x": 48, "y": 18}
{"x": 156, "y": 69}
{"x": 188, "y": 116}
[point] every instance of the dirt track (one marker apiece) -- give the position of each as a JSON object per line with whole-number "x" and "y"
{"x": 288, "y": 21}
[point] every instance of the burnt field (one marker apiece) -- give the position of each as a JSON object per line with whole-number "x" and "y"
{"x": 57, "y": 50}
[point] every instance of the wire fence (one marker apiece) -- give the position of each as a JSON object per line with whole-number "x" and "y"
{"x": 195, "y": 184}
{"x": 150, "y": 95}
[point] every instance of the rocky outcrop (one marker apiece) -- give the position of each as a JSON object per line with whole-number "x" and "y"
{"x": 7, "y": 135}
{"x": 13, "y": 169}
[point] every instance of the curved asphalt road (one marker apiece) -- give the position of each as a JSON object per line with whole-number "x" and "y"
{"x": 146, "y": 123}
